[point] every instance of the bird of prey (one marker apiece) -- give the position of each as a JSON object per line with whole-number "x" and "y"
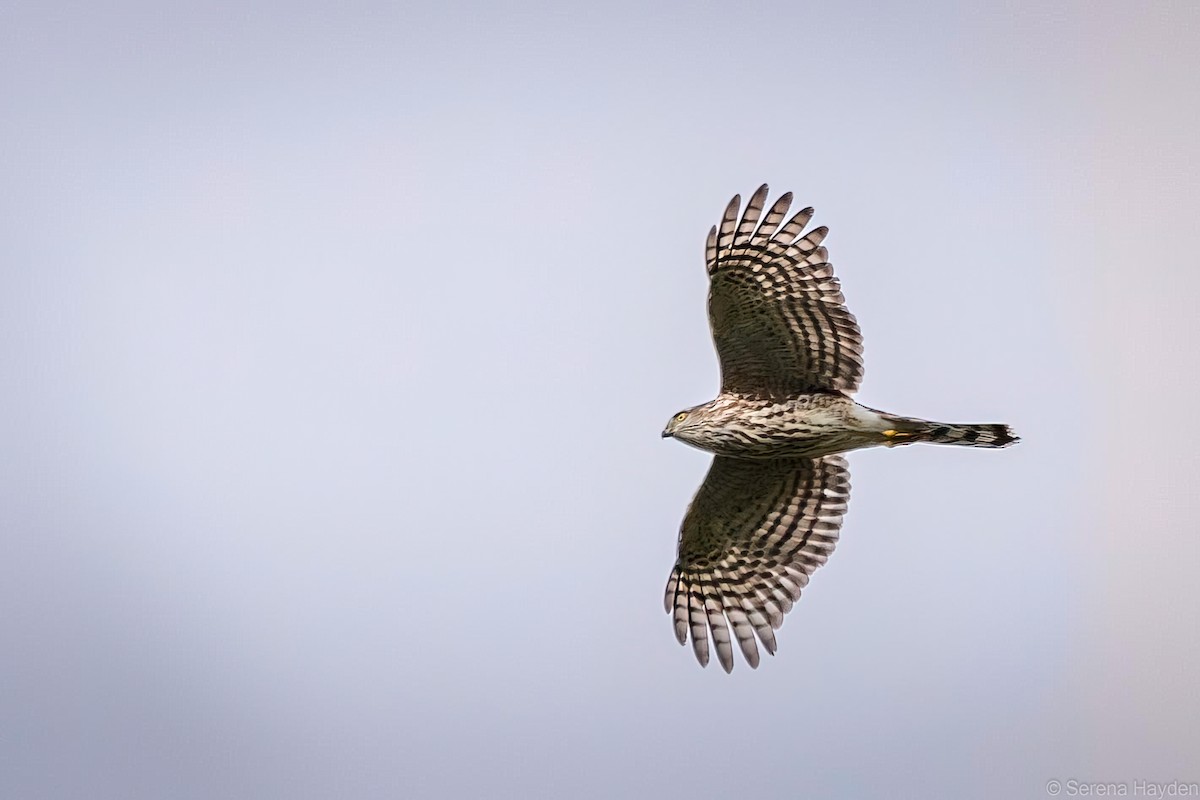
{"x": 769, "y": 510}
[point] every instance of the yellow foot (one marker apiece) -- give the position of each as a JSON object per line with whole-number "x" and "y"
{"x": 896, "y": 437}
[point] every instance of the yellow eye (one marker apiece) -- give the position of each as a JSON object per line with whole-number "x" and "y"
{"x": 681, "y": 416}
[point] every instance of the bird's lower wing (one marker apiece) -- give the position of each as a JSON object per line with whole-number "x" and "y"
{"x": 754, "y": 533}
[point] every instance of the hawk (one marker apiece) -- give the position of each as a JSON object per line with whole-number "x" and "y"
{"x": 769, "y": 509}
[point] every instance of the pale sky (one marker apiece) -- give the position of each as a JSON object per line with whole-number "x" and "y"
{"x": 335, "y": 343}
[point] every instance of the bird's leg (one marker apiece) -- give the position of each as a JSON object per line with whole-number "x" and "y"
{"x": 895, "y": 438}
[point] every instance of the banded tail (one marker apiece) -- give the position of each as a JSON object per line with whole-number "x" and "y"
{"x": 909, "y": 431}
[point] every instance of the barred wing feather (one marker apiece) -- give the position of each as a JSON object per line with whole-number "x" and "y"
{"x": 754, "y": 533}
{"x": 778, "y": 317}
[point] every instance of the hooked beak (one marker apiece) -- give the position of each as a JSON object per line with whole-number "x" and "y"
{"x": 666, "y": 434}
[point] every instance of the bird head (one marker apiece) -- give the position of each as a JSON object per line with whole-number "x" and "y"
{"x": 677, "y": 422}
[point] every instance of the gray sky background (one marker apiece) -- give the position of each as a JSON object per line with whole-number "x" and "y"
{"x": 335, "y": 343}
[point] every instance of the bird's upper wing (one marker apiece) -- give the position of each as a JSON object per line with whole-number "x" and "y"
{"x": 752, "y": 536}
{"x": 778, "y": 316}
